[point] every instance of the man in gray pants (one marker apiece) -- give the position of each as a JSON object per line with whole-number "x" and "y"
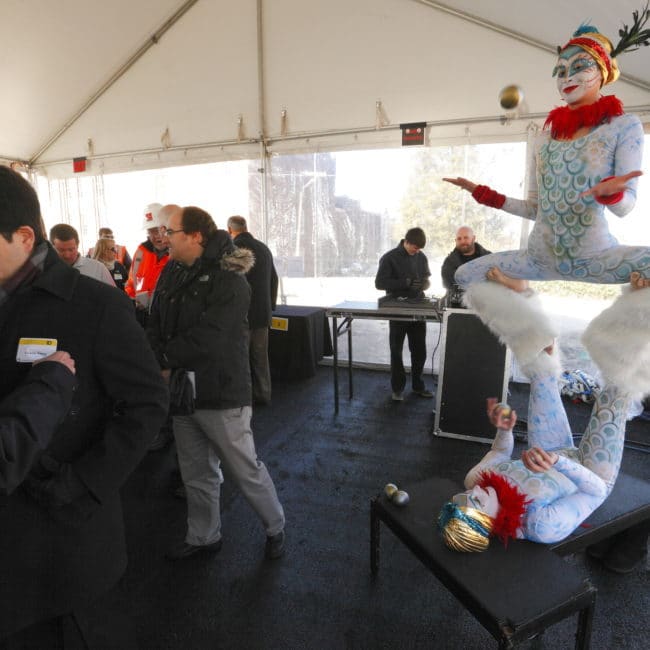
{"x": 198, "y": 326}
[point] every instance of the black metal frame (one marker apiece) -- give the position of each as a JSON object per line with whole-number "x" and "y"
{"x": 348, "y": 311}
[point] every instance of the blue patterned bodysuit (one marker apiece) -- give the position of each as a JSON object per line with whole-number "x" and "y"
{"x": 564, "y": 496}
{"x": 570, "y": 239}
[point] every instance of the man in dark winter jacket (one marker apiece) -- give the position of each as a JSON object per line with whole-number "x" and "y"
{"x": 404, "y": 273}
{"x": 198, "y": 326}
{"x": 62, "y": 544}
{"x": 467, "y": 249}
{"x": 263, "y": 281}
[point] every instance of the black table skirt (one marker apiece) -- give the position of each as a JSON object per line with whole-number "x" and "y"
{"x": 298, "y": 340}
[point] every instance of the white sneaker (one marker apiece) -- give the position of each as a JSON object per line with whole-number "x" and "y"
{"x": 397, "y": 397}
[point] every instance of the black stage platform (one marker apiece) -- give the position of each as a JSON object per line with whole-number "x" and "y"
{"x": 321, "y": 595}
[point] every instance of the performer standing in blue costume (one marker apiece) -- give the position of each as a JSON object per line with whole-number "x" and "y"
{"x": 587, "y": 157}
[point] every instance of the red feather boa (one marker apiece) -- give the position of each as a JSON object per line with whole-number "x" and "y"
{"x": 565, "y": 121}
{"x": 512, "y": 505}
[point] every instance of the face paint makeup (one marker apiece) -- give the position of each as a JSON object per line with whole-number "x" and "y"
{"x": 578, "y": 77}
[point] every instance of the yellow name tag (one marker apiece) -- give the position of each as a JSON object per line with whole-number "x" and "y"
{"x": 33, "y": 349}
{"x": 280, "y": 324}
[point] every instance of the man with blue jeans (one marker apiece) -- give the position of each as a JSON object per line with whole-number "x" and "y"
{"x": 198, "y": 324}
{"x": 403, "y": 274}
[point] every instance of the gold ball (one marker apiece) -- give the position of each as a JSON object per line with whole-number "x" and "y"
{"x": 510, "y": 97}
{"x": 390, "y": 489}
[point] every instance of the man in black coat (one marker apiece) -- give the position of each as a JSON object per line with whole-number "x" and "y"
{"x": 467, "y": 249}
{"x": 263, "y": 281}
{"x": 198, "y": 326}
{"x": 62, "y": 544}
{"x": 404, "y": 273}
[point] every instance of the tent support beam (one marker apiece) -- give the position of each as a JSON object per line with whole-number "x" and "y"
{"x": 264, "y": 144}
{"x": 151, "y": 41}
{"x": 528, "y": 40}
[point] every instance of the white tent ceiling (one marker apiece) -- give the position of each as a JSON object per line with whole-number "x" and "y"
{"x": 144, "y": 83}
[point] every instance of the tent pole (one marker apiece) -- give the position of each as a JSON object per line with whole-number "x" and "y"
{"x": 261, "y": 99}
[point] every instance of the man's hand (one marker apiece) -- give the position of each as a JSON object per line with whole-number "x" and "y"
{"x": 501, "y": 415}
{"x": 166, "y": 374}
{"x": 611, "y": 186}
{"x": 61, "y": 357}
{"x": 537, "y": 460}
{"x": 461, "y": 182}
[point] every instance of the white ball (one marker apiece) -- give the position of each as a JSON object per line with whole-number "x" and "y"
{"x": 401, "y": 498}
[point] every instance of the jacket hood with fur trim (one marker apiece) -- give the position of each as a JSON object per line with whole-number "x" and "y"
{"x": 220, "y": 247}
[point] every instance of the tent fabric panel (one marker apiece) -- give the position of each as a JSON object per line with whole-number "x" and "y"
{"x": 196, "y": 82}
{"x": 54, "y": 55}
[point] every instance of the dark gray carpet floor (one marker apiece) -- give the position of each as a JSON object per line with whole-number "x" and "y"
{"x": 321, "y": 594}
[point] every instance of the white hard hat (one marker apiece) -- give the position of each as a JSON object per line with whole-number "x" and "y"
{"x": 152, "y": 217}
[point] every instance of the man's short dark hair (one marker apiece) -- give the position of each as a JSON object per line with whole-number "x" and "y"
{"x": 19, "y": 206}
{"x": 63, "y": 232}
{"x": 237, "y": 223}
{"x": 416, "y": 237}
{"x": 194, "y": 219}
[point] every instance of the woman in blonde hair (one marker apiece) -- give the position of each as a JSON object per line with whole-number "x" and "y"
{"x": 104, "y": 251}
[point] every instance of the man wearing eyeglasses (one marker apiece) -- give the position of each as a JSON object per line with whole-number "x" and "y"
{"x": 199, "y": 326}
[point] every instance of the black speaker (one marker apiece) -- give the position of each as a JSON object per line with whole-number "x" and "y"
{"x": 474, "y": 365}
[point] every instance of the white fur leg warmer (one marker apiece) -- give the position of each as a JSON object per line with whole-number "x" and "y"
{"x": 618, "y": 340}
{"x": 544, "y": 364}
{"x": 516, "y": 318}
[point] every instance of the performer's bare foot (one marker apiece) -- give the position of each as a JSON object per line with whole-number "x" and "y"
{"x": 549, "y": 348}
{"x": 496, "y": 275}
{"x": 637, "y": 281}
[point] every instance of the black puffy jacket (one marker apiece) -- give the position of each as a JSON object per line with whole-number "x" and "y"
{"x": 199, "y": 322}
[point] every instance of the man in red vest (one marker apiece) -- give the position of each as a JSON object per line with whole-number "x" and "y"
{"x": 149, "y": 260}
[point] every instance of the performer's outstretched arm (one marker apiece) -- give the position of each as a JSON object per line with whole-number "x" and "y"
{"x": 504, "y": 419}
{"x": 487, "y": 196}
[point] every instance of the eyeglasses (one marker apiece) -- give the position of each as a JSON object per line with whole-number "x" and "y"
{"x": 169, "y": 232}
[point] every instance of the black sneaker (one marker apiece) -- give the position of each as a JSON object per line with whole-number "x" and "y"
{"x": 629, "y": 550}
{"x": 599, "y": 550}
{"x": 184, "y": 550}
{"x": 275, "y": 546}
{"x": 163, "y": 438}
{"x": 423, "y": 392}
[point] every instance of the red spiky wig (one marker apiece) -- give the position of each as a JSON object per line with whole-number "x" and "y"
{"x": 512, "y": 505}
